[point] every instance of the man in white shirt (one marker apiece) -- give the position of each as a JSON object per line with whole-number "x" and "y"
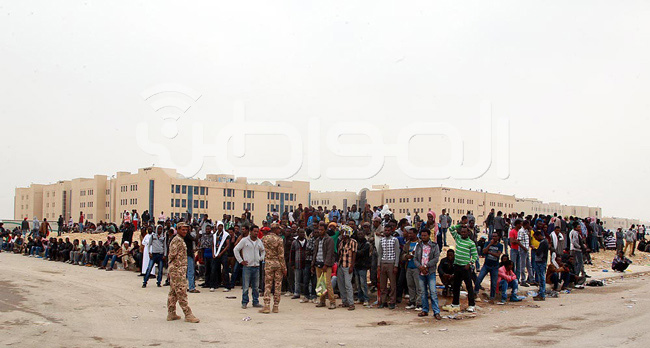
{"x": 250, "y": 253}
{"x": 576, "y": 249}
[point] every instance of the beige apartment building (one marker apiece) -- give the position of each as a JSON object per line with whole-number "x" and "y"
{"x": 164, "y": 191}
{"x": 158, "y": 190}
{"x": 614, "y": 223}
{"x": 340, "y": 199}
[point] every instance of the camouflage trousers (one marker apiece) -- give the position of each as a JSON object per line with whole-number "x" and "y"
{"x": 178, "y": 293}
{"x": 272, "y": 277}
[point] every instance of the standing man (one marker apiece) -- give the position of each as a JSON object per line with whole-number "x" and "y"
{"x": 576, "y": 249}
{"x": 388, "y": 256}
{"x": 501, "y": 228}
{"x": 412, "y": 273}
{"x": 81, "y": 221}
{"x": 299, "y": 266}
{"x": 60, "y": 223}
{"x": 347, "y": 256}
{"x": 489, "y": 223}
{"x": 177, "y": 276}
{"x": 322, "y": 262}
{"x": 249, "y": 252}
{"x": 465, "y": 257}
{"x": 425, "y": 259}
{"x": 155, "y": 249}
{"x": 445, "y": 221}
{"x": 630, "y": 240}
{"x": 275, "y": 268}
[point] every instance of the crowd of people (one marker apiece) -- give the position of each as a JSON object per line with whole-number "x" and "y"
{"x": 367, "y": 257}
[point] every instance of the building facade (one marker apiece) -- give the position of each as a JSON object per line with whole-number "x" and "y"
{"x": 163, "y": 192}
{"x": 159, "y": 190}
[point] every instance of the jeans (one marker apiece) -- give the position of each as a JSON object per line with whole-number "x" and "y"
{"x": 580, "y": 264}
{"x": 494, "y": 276}
{"x": 565, "y": 277}
{"x": 524, "y": 261}
{"x": 190, "y": 273}
{"x": 428, "y": 287}
{"x": 540, "y": 278}
{"x": 462, "y": 275}
{"x": 415, "y": 290}
{"x": 156, "y": 259}
{"x": 443, "y": 233}
{"x": 113, "y": 259}
{"x": 250, "y": 279}
{"x": 344, "y": 278}
{"x": 514, "y": 257}
{"x": 301, "y": 278}
{"x": 235, "y": 274}
{"x": 490, "y": 231}
{"x": 504, "y": 285}
{"x": 35, "y": 251}
{"x": 362, "y": 283}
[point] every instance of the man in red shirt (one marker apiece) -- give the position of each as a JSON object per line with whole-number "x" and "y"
{"x": 514, "y": 246}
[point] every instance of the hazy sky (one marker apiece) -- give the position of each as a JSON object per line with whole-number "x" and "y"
{"x": 572, "y": 78}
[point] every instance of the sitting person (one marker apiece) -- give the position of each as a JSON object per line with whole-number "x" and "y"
{"x": 620, "y": 262}
{"x": 557, "y": 271}
{"x": 508, "y": 279}
{"x": 127, "y": 259}
{"x": 112, "y": 253}
{"x": 446, "y": 271}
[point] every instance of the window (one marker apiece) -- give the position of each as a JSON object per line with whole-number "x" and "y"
{"x": 202, "y": 204}
{"x": 206, "y": 204}
{"x": 196, "y": 190}
{"x": 202, "y": 191}
{"x": 178, "y": 202}
{"x": 184, "y": 203}
{"x": 184, "y": 189}
{"x": 178, "y": 188}
{"x": 172, "y": 188}
{"x": 252, "y": 206}
{"x": 172, "y": 203}
{"x": 90, "y": 192}
{"x": 196, "y": 204}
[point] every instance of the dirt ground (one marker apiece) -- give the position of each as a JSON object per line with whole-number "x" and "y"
{"x": 54, "y": 304}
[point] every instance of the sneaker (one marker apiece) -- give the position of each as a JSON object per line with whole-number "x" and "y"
{"x": 524, "y": 284}
{"x": 451, "y": 308}
{"x": 244, "y": 306}
{"x": 391, "y": 306}
{"x": 471, "y": 309}
{"x": 212, "y": 289}
{"x": 418, "y": 309}
{"x": 501, "y": 302}
{"x": 226, "y": 290}
{"x": 407, "y": 296}
{"x": 366, "y": 304}
{"x": 144, "y": 285}
{"x": 515, "y": 299}
{"x": 539, "y": 298}
{"x": 295, "y": 297}
{"x": 381, "y": 306}
{"x": 304, "y": 300}
{"x": 409, "y": 307}
{"x": 257, "y": 305}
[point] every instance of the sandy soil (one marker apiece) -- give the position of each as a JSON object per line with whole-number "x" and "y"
{"x": 58, "y": 305}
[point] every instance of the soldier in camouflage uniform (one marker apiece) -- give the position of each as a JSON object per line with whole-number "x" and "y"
{"x": 275, "y": 268}
{"x": 177, "y": 260}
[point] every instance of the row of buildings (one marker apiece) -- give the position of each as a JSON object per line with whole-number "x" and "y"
{"x": 159, "y": 190}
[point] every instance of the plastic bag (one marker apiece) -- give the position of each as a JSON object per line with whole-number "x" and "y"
{"x": 321, "y": 285}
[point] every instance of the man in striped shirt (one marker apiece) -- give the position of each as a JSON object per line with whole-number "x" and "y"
{"x": 466, "y": 256}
